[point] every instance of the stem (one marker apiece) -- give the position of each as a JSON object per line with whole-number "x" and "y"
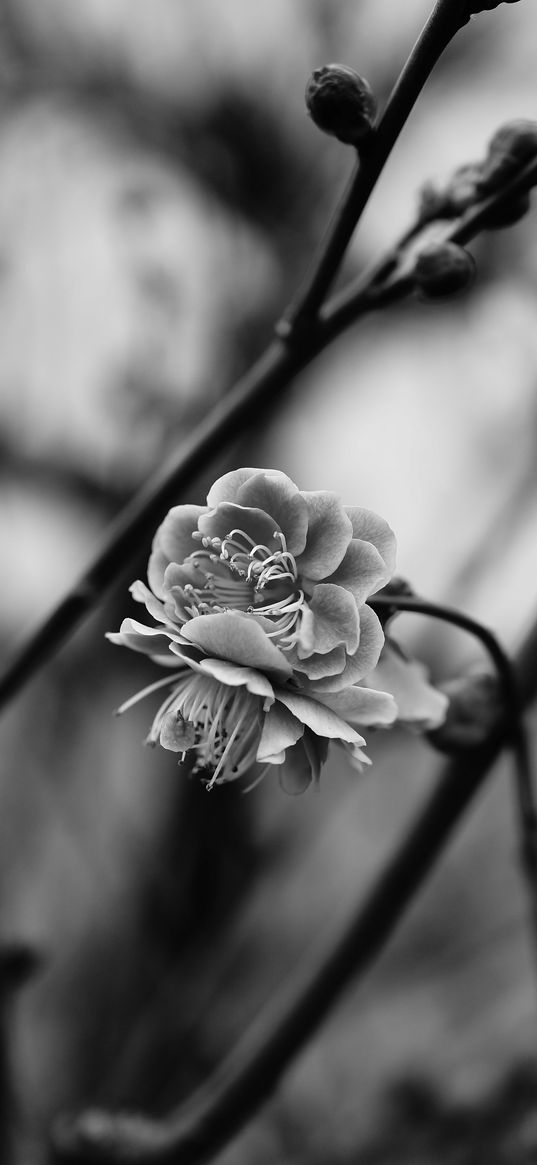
{"x": 202, "y": 1126}
{"x": 525, "y": 798}
{"x": 444, "y": 22}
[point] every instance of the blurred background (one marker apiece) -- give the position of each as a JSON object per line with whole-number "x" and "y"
{"x": 161, "y": 191}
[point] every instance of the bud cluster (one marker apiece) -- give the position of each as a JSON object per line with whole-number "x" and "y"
{"x": 511, "y": 148}
{"x": 442, "y": 269}
{"x": 341, "y": 103}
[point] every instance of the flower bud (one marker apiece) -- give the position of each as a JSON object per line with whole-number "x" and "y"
{"x": 507, "y": 213}
{"x": 511, "y": 148}
{"x": 475, "y": 708}
{"x": 465, "y": 187}
{"x": 443, "y": 269}
{"x": 341, "y": 103}
{"x": 462, "y": 191}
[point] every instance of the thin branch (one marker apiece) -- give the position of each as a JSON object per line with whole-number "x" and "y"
{"x": 446, "y": 19}
{"x": 203, "y": 1125}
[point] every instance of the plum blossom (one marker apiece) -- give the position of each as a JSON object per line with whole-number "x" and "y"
{"x": 237, "y": 720}
{"x": 299, "y": 563}
{"x": 259, "y": 602}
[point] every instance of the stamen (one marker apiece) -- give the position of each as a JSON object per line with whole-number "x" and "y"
{"x": 147, "y": 692}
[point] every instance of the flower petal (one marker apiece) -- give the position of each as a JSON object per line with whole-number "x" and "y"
{"x": 318, "y": 717}
{"x": 418, "y": 703}
{"x": 361, "y": 705}
{"x": 364, "y": 659}
{"x": 362, "y": 571}
{"x": 257, "y": 525}
{"x": 226, "y": 488}
{"x": 329, "y": 534}
{"x": 142, "y": 594}
{"x": 316, "y": 749}
{"x": 238, "y": 638}
{"x": 278, "y": 496}
{"x": 370, "y": 527}
{"x": 317, "y": 666}
{"x": 329, "y": 618}
{"x": 149, "y": 640}
{"x": 235, "y": 675}
{"x": 280, "y": 731}
{"x": 173, "y": 542}
{"x": 295, "y": 773}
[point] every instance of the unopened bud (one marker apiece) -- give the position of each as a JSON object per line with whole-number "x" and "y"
{"x": 341, "y": 103}
{"x": 511, "y": 148}
{"x": 462, "y": 191}
{"x": 507, "y": 213}
{"x": 443, "y": 269}
{"x": 475, "y": 708}
{"x": 464, "y": 187}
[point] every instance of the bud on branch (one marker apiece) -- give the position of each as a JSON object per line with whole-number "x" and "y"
{"x": 443, "y": 269}
{"x": 341, "y": 103}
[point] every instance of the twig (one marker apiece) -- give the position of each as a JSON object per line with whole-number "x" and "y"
{"x": 208, "y": 1121}
{"x": 525, "y": 798}
{"x": 444, "y": 22}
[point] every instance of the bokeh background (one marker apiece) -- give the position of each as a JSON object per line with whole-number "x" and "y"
{"x": 161, "y": 192}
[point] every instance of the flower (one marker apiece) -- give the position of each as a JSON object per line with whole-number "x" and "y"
{"x": 420, "y": 706}
{"x": 300, "y": 564}
{"x": 239, "y": 721}
{"x": 259, "y": 602}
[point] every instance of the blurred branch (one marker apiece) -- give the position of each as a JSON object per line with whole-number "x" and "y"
{"x": 217, "y": 1111}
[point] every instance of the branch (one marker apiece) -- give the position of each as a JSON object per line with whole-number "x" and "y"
{"x": 446, "y": 19}
{"x": 219, "y": 1109}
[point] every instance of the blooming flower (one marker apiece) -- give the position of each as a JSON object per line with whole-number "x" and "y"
{"x": 259, "y": 602}
{"x": 237, "y": 720}
{"x": 300, "y": 563}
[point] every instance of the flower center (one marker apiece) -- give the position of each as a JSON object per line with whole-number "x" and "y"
{"x": 221, "y": 724}
{"x": 239, "y": 574}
